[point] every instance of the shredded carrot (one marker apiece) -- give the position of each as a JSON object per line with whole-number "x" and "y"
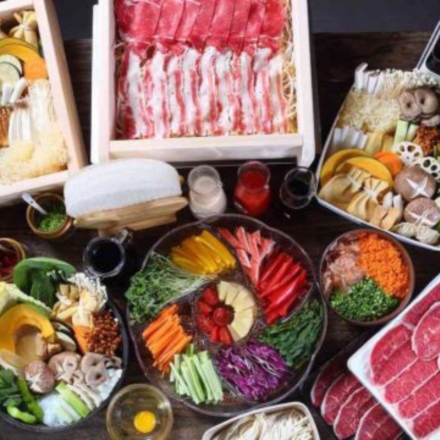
{"x": 383, "y": 262}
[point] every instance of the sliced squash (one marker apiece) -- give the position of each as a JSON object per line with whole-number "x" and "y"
{"x": 35, "y": 69}
{"x": 370, "y": 165}
{"x": 331, "y": 164}
{"x": 24, "y": 53}
{"x": 17, "y": 42}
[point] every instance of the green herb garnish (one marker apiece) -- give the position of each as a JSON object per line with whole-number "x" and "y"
{"x": 161, "y": 281}
{"x": 363, "y": 301}
{"x": 54, "y": 220}
{"x": 296, "y": 338}
{"x": 9, "y": 393}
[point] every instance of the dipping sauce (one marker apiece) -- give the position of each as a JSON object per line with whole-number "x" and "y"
{"x": 252, "y": 194}
{"x": 105, "y": 256}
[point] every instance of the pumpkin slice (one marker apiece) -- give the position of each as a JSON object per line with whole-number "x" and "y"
{"x": 370, "y": 165}
{"x": 332, "y": 163}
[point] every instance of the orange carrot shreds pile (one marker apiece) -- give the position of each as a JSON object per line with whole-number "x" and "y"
{"x": 165, "y": 337}
{"x": 383, "y": 262}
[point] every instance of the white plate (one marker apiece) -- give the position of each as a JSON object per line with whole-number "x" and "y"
{"x": 210, "y": 433}
{"x": 360, "y": 366}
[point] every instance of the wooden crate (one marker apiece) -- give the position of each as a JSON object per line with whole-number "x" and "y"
{"x": 105, "y": 147}
{"x": 64, "y": 100}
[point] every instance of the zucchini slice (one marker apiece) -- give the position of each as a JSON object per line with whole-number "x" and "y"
{"x": 10, "y": 59}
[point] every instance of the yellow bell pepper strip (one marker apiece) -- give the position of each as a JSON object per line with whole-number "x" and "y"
{"x": 216, "y": 244}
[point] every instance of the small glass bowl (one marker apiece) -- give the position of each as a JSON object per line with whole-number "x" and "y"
{"x": 33, "y": 216}
{"x": 128, "y": 402}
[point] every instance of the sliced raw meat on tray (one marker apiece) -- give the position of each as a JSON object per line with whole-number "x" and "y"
{"x": 189, "y": 16}
{"x": 325, "y": 378}
{"x": 377, "y": 424}
{"x": 202, "y": 26}
{"x": 170, "y": 17}
{"x": 221, "y": 24}
{"x": 398, "y": 362}
{"x": 415, "y": 314}
{"x": 238, "y": 31}
{"x": 272, "y": 28}
{"x": 410, "y": 380}
{"x": 351, "y": 412}
{"x": 386, "y": 347}
{"x": 338, "y": 392}
{"x": 426, "y": 336}
{"x": 425, "y": 425}
{"x": 421, "y": 399}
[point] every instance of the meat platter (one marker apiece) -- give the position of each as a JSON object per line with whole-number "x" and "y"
{"x": 343, "y": 407}
{"x": 380, "y": 165}
{"x": 255, "y": 328}
{"x": 192, "y": 80}
{"x": 399, "y": 366}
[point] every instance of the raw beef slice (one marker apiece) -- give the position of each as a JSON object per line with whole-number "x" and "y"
{"x": 377, "y": 424}
{"x": 426, "y": 336}
{"x": 415, "y": 313}
{"x": 410, "y": 380}
{"x": 387, "y": 346}
{"x": 351, "y": 412}
{"x": 325, "y": 378}
{"x": 400, "y": 360}
{"x": 427, "y": 423}
{"x": 425, "y": 396}
{"x": 337, "y": 395}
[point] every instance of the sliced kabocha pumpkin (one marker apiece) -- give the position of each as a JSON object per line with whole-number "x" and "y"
{"x": 332, "y": 163}
{"x": 364, "y": 204}
{"x": 340, "y": 189}
{"x": 370, "y": 165}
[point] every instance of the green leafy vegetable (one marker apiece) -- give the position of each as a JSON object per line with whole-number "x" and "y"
{"x": 39, "y": 277}
{"x": 161, "y": 281}
{"x": 296, "y": 338}
{"x": 10, "y": 395}
{"x": 364, "y": 301}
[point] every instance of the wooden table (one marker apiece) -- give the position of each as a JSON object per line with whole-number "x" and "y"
{"x": 336, "y": 57}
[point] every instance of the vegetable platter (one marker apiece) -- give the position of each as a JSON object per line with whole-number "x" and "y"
{"x": 380, "y": 166}
{"x": 224, "y": 315}
{"x": 342, "y": 407}
{"x": 40, "y": 135}
{"x": 63, "y": 346}
{"x": 198, "y": 50}
{"x": 399, "y": 365}
{"x": 302, "y": 424}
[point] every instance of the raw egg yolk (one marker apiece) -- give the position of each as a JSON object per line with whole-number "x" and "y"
{"x": 145, "y": 422}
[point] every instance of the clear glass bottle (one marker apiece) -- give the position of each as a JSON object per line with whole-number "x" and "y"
{"x": 206, "y": 195}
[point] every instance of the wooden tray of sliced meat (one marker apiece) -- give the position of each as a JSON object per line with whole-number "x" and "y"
{"x": 400, "y": 366}
{"x": 193, "y": 80}
{"x": 342, "y": 407}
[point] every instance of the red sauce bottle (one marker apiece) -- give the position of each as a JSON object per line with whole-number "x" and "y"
{"x": 252, "y": 194}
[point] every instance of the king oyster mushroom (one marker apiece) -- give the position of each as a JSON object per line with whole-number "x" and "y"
{"x": 40, "y": 377}
{"x": 413, "y": 182}
{"x": 94, "y": 369}
{"x": 65, "y": 364}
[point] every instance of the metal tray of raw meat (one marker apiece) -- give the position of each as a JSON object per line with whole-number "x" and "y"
{"x": 400, "y": 367}
{"x": 356, "y": 415}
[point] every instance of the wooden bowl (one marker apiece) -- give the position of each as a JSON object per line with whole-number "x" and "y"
{"x": 408, "y": 263}
{"x": 32, "y": 218}
{"x": 19, "y": 251}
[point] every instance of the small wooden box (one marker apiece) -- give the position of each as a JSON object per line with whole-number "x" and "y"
{"x": 105, "y": 147}
{"x": 64, "y": 100}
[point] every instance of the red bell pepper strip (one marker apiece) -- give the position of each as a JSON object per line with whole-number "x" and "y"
{"x": 272, "y": 266}
{"x": 287, "y": 306}
{"x": 293, "y": 273}
{"x": 271, "y": 317}
{"x": 280, "y": 275}
{"x": 284, "y": 294}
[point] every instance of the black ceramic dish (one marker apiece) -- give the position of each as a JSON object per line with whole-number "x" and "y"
{"x": 233, "y": 404}
{"x": 123, "y": 354}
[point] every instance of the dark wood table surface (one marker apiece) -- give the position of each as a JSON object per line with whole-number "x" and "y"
{"x": 336, "y": 57}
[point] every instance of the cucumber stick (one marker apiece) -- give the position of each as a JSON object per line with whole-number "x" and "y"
{"x": 194, "y": 376}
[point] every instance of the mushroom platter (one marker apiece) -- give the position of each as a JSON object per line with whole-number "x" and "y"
{"x": 381, "y": 162}
{"x": 63, "y": 348}
{"x": 224, "y": 315}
